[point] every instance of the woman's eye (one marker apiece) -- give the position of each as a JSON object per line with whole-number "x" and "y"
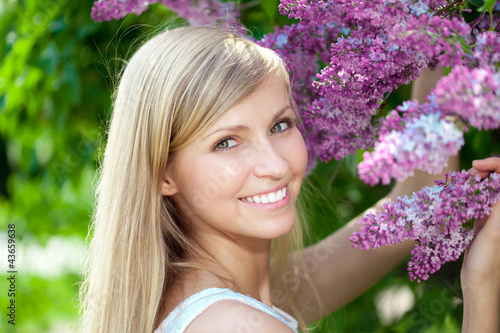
{"x": 225, "y": 144}
{"x": 280, "y": 127}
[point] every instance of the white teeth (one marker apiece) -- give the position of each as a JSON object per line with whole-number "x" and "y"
{"x": 267, "y": 198}
{"x": 279, "y": 195}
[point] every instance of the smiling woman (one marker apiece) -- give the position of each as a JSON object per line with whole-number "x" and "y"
{"x": 202, "y": 122}
{"x": 196, "y": 230}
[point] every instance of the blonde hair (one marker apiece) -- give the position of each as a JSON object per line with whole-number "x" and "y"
{"x": 173, "y": 88}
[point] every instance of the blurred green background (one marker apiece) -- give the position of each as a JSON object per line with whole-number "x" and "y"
{"x": 57, "y": 73}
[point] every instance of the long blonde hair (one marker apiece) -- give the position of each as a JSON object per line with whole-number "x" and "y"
{"x": 174, "y": 87}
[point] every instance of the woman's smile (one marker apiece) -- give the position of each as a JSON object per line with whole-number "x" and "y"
{"x": 269, "y": 200}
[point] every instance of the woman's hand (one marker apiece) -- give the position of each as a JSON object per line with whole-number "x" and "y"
{"x": 481, "y": 267}
{"x": 482, "y": 260}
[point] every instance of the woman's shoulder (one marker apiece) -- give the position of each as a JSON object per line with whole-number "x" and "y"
{"x": 235, "y": 316}
{"x": 221, "y": 310}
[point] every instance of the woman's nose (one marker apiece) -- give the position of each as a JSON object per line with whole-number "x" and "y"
{"x": 269, "y": 161}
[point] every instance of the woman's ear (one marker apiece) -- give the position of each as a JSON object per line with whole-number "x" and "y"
{"x": 168, "y": 185}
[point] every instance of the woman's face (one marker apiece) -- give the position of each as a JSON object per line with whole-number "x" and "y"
{"x": 241, "y": 177}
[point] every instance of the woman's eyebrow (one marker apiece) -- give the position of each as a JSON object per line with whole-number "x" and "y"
{"x": 237, "y": 128}
{"x": 240, "y": 128}
{"x": 280, "y": 113}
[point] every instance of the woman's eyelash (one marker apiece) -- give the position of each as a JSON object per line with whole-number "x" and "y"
{"x": 294, "y": 121}
{"x": 224, "y": 139}
{"x": 291, "y": 122}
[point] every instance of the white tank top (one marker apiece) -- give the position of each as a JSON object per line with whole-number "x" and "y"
{"x": 180, "y": 318}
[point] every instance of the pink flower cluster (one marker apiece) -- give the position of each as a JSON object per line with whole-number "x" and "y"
{"x": 439, "y": 218}
{"x": 197, "y": 12}
{"x": 471, "y": 93}
{"x": 115, "y": 9}
{"x": 425, "y": 143}
{"x": 388, "y": 45}
{"x": 465, "y": 97}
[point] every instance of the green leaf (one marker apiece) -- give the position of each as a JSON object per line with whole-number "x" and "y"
{"x": 476, "y": 3}
{"x": 352, "y": 162}
{"x": 464, "y": 45}
{"x": 49, "y": 58}
{"x": 488, "y": 6}
{"x": 270, "y": 7}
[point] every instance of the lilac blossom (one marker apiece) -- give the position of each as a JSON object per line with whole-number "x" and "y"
{"x": 116, "y": 9}
{"x": 425, "y": 143}
{"x": 392, "y": 41}
{"x": 487, "y": 50}
{"x": 473, "y": 94}
{"x": 438, "y": 218}
{"x": 466, "y": 96}
{"x": 197, "y": 12}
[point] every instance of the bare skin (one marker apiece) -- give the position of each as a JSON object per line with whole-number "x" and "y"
{"x": 480, "y": 271}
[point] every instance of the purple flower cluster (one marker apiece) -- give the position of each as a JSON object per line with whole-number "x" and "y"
{"x": 487, "y": 50}
{"x": 439, "y": 218}
{"x": 425, "y": 143}
{"x": 471, "y": 93}
{"x": 389, "y": 43}
{"x": 115, "y": 9}
{"x": 465, "y": 97}
{"x": 197, "y": 12}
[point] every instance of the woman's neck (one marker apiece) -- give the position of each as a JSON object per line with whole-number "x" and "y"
{"x": 246, "y": 263}
{"x": 245, "y": 270}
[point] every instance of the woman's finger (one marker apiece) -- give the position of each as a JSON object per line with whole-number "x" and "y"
{"x": 482, "y": 174}
{"x": 487, "y": 165}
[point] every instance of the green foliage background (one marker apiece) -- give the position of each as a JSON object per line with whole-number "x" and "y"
{"x": 57, "y": 72}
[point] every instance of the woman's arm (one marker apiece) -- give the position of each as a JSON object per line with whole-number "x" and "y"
{"x": 342, "y": 273}
{"x": 480, "y": 274}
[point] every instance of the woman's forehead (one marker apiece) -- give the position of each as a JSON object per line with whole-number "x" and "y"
{"x": 271, "y": 97}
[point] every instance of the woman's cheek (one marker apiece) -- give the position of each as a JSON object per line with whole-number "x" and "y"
{"x": 297, "y": 154}
{"x": 227, "y": 173}
{"x": 223, "y": 175}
